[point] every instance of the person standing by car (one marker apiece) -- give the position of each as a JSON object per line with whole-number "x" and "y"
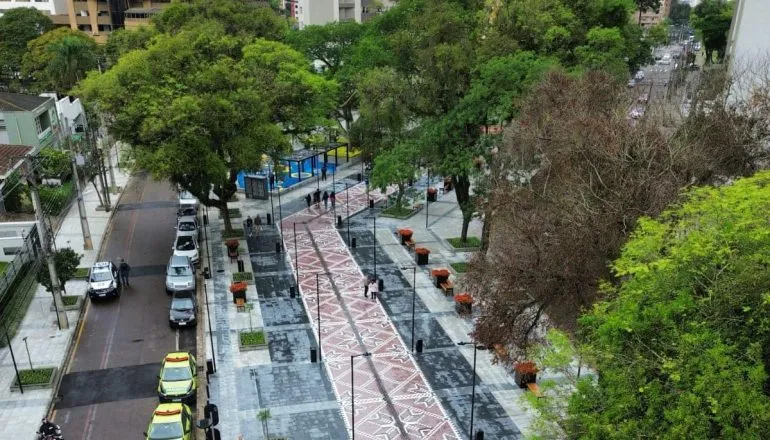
{"x": 124, "y": 269}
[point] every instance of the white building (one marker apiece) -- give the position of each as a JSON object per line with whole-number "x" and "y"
{"x": 48, "y": 7}
{"x": 308, "y": 12}
{"x": 748, "y": 45}
{"x": 70, "y": 111}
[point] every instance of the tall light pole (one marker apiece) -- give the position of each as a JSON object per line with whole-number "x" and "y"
{"x": 427, "y": 201}
{"x": 352, "y": 394}
{"x": 205, "y": 289}
{"x": 414, "y": 296}
{"x": 476, "y": 348}
{"x": 347, "y": 208}
{"x": 296, "y": 254}
{"x": 318, "y": 308}
{"x": 280, "y": 214}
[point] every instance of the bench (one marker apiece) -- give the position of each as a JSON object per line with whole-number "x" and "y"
{"x": 448, "y": 288}
{"x": 535, "y": 389}
{"x": 240, "y": 305}
{"x": 410, "y": 244}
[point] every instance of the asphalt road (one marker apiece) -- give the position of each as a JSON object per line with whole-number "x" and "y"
{"x": 109, "y": 387}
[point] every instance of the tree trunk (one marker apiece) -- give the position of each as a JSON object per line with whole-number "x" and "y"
{"x": 640, "y": 18}
{"x": 400, "y": 195}
{"x": 223, "y": 211}
{"x": 462, "y": 186}
{"x": 485, "y": 234}
{"x": 101, "y": 203}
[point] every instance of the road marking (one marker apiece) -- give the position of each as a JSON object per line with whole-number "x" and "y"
{"x": 77, "y": 337}
{"x": 110, "y": 338}
{"x": 177, "y": 339}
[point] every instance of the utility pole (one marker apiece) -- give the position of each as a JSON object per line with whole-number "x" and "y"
{"x": 42, "y": 231}
{"x": 106, "y": 146}
{"x": 87, "y": 243}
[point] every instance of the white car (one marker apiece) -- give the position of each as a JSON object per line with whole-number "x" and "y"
{"x": 639, "y": 75}
{"x": 188, "y": 225}
{"x": 186, "y": 246}
{"x": 103, "y": 280}
{"x": 188, "y": 204}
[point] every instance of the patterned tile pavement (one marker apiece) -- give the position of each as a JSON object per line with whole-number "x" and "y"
{"x": 392, "y": 397}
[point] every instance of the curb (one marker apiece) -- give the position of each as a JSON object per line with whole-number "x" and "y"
{"x": 83, "y": 310}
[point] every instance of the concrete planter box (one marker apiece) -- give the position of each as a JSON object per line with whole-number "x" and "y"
{"x": 41, "y": 386}
{"x": 78, "y": 304}
{"x": 255, "y": 347}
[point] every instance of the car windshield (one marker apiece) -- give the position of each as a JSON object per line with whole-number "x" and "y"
{"x": 185, "y": 244}
{"x": 187, "y": 226}
{"x": 175, "y": 374}
{"x": 181, "y": 304}
{"x": 180, "y": 271}
{"x": 104, "y": 275}
{"x": 164, "y": 431}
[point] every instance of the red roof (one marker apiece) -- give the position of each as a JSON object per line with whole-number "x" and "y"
{"x": 11, "y": 157}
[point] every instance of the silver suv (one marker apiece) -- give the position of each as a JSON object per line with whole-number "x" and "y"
{"x": 180, "y": 275}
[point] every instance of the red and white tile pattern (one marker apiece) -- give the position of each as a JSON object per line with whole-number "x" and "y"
{"x": 352, "y": 324}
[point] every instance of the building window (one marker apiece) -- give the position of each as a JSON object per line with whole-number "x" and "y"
{"x": 105, "y": 28}
{"x": 2, "y": 124}
{"x": 103, "y": 14}
{"x": 85, "y": 27}
{"x": 11, "y": 250}
{"x": 43, "y": 122}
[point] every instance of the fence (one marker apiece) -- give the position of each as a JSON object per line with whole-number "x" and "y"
{"x": 18, "y": 280}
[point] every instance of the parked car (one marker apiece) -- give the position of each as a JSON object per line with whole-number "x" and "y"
{"x": 183, "y": 310}
{"x": 631, "y": 83}
{"x": 186, "y": 246}
{"x": 103, "y": 280}
{"x": 188, "y": 204}
{"x": 178, "y": 378}
{"x": 171, "y": 421}
{"x": 188, "y": 225}
{"x": 180, "y": 275}
{"x": 639, "y": 75}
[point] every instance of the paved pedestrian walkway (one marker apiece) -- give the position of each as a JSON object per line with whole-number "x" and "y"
{"x": 20, "y": 414}
{"x": 392, "y": 398}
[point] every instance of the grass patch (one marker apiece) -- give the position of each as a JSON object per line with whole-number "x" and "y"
{"x": 460, "y": 267}
{"x": 398, "y": 211}
{"x": 472, "y": 242}
{"x": 70, "y": 300}
{"x": 39, "y": 376}
{"x": 253, "y": 338}
{"x": 234, "y": 212}
{"x": 81, "y": 272}
{"x": 3, "y": 266}
{"x": 242, "y": 276}
{"x": 235, "y": 233}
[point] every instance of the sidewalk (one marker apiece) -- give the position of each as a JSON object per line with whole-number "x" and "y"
{"x": 20, "y": 414}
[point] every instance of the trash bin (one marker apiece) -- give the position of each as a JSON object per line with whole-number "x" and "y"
{"x": 313, "y": 355}
{"x": 277, "y": 247}
{"x": 371, "y": 203}
{"x": 339, "y": 221}
{"x": 353, "y": 242}
{"x": 292, "y": 291}
{"x": 269, "y": 219}
{"x": 360, "y": 177}
{"x": 240, "y": 265}
{"x": 418, "y": 346}
{"x": 381, "y": 285}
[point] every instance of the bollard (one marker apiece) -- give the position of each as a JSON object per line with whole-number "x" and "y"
{"x": 353, "y": 242}
{"x": 313, "y": 355}
{"x": 210, "y": 367}
{"x": 339, "y": 221}
{"x": 211, "y": 412}
{"x": 418, "y": 346}
{"x": 240, "y": 265}
{"x": 360, "y": 177}
{"x": 269, "y": 219}
{"x": 381, "y": 285}
{"x": 292, "y": 292}
{"x": 371, "y": 203}
{"x": 277, "y": 247}
{"x": 205, "y": 220}
{"x": 479, "y": 435}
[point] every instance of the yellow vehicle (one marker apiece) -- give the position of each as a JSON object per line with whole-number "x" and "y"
{"x": 171, "y": 421}
{"x": 178, "y": 378}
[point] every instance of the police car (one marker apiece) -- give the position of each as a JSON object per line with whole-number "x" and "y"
{"x": 170, "y": 421}
{"x": 103, "y": 280}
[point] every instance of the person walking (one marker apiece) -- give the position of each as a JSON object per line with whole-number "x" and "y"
{"x": 373, "y": 288}
{"x": 323, "y": 172}
{"x": 366, "y": 287}
{"x": 307, "y": 200}
{"x": 317, "y": 198}
{"x": 326, "y": 200}
{"x": 124, "y": 269}
{"x": 333, "y": 199}
{"x": 271, "y": 178}
{"x": 258, "y": 222}
{"x": 249, "y": 224}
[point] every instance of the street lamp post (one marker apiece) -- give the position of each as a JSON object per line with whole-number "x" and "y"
{"x": 280, "y": 214}
{"x": 16, "y": 368}
{"x": 296, "y": 254}
{"x": 414, "y": 296}
{"x": 318, "y": 311}
{"x": 347, "y": 208}
{"x": 352, "y": 394}
{"x": 205, "y": 289}
{"x": 476, "y": 348}
{"x": 427, "y": 202}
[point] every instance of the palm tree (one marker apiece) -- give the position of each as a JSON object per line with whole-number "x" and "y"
{"x": 264, "y": 416}
{"x": 71, "y": 58}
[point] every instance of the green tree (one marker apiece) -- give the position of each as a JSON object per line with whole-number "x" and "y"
{"x": 200, "y": 105}
{"x": 55, "y": 163}
{"x": 241, "y": 18}
{"x": 680, "y": 12}
{"x": 14, "y": 191}
{"x": 396, "y": 166}
{"x": 681, "y": 343}
{"x": 711, "y": 19}
{"x": 604, "y": 50}
{"x": 18, "y": 26}
{"x": 124, "y": 40}
{"x": 57, "y": 58}
{"x": 647, "y": 5}
{"x": 66, "y": 261}
{"x": 658, "y": 34}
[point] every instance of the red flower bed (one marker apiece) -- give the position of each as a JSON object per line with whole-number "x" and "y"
{"x": 238, "y": 287}
{"x": 440, "y": 273}
{"x": 464, "y": 298}
{"x": 525, "y": 367}
{"x": 232, "y": 244}
{"x": 422, "y": 251}
{"x": 405, "y": 232}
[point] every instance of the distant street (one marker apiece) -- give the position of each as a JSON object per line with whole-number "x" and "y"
{"x": 109, "y": 389}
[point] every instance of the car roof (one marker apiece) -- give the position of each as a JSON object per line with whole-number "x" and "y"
{"x": 183, "y": 294}
{"x": 102, "y": 264}
{"x": 187, "y": 218}
{"x": 187, "y": 237}
{"x": 177, "y": 359}
{"x": 179, "y": 260}
{"x": 168, "y": 412}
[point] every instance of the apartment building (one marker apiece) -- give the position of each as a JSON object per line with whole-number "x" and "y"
{"x": 651, "y": 18}
{"x": 308, "y": 12}
{"x": 55, "y": 9}
{"x": 100, "y": 17}
{"x": 28, "y": 120}
{"x": 748, "y": 47}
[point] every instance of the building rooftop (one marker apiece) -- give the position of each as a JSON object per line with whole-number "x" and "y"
{"x": 11, "y": 156}
{"x": 15, "y": 102}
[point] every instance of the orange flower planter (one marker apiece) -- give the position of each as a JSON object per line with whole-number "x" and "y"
{"x": 239, "y": 290}
{"x": 525, "y": 373}
{"x": 421, "y": 255}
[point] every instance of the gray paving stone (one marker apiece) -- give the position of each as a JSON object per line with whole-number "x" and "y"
{"x": 282, "y": 311}
{"x": 489, "y": 416}
{"x": 446, "y": 369}
{"x": 425, "y": 328}
{"x": 291, "y": 384}
{"x": 291, "y": 345}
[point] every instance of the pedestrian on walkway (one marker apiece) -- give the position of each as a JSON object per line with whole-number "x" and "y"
{"x": 323, "y": 172}
{"x": 124, "y": 269}
{"x": 366, "y": 287}
{"x": 258, "y": 222}
{"x": 326, "y": 200}
{"x": 333, "y": 199}
{"x": 249, "y": 224}
{"x": 307, "y": 200}
{"x": 271, "y": 178}
{"x": 373, "y": 288}
{"x": 317, "y": 198}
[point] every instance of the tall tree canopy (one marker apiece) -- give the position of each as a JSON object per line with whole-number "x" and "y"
{"x": 711, "y": 19}
{"x": 681, "y": 344}
{"x": 199, "y": 105}
{"x": 58, "y": 59}
{"x": 18, "y": 26}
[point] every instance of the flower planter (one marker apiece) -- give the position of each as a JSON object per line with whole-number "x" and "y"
{"x": 441, "y": 276}
{"x": 463, "y": 308}
{"x": 406, "y": 235}
{"x": 37, "y": 386}
{"x": 252, "y": 347}
{"x": 421, "y": 254}
{"x": 525, "y": 373}
{"x": 239, "y": 295}
{"x": 232, "y": 248}
{"x": 239, "y": 291}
